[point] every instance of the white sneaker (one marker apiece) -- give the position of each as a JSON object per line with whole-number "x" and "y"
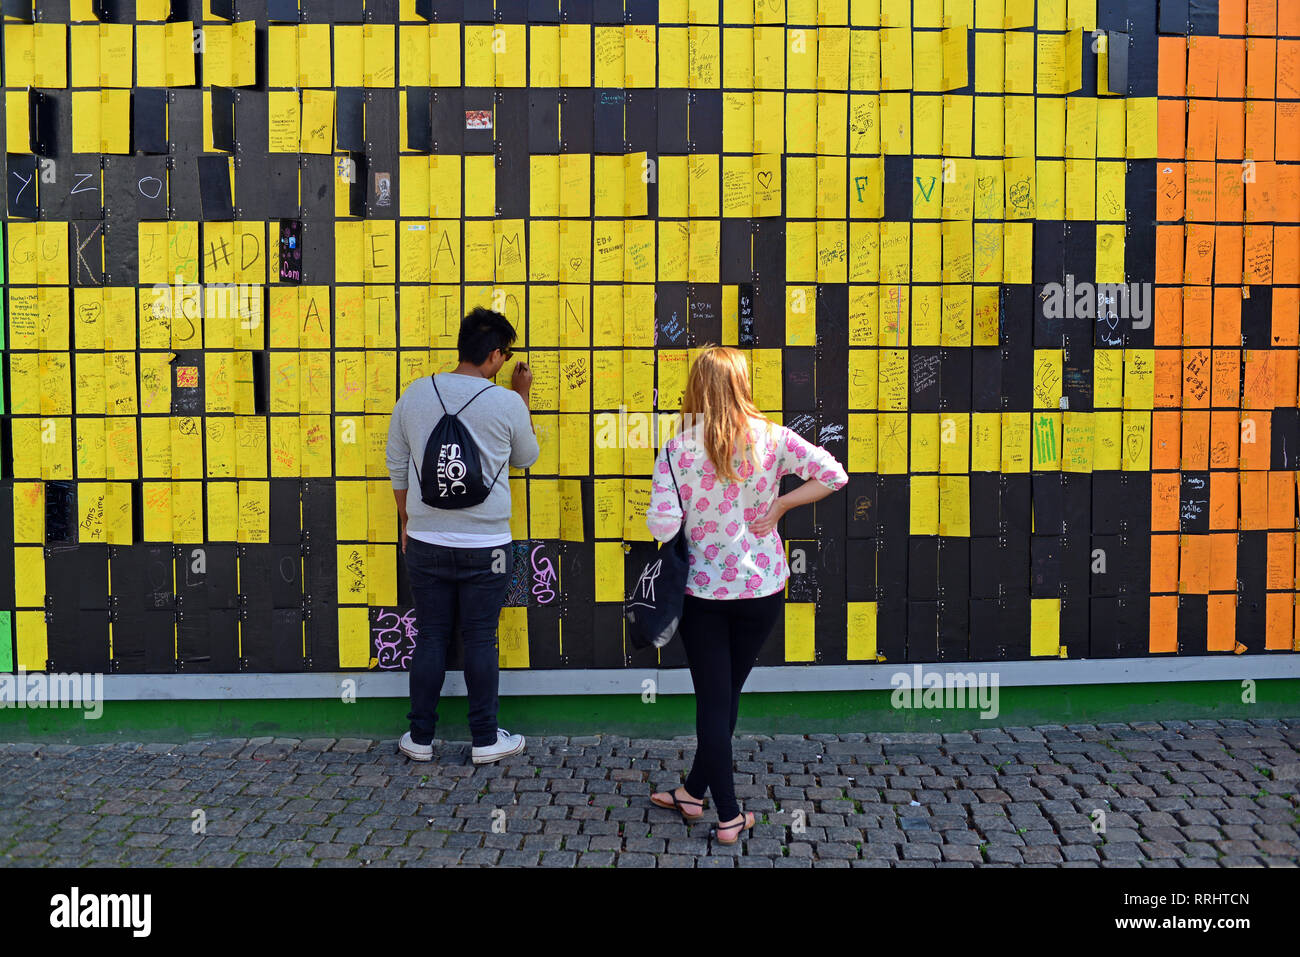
{"x": 416, "y": 752}
{"x": 507, "y": 744}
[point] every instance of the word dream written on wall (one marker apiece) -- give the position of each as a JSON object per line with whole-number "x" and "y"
{"x": 1029, "y": 269}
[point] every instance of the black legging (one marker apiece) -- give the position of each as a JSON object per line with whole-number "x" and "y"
{"x": 722, "y": 639}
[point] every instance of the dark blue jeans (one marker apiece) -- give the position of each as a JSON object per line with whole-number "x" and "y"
{"x": 456, "y": 585}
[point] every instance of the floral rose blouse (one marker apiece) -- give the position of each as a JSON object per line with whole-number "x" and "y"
{"x": 727, "y": 560}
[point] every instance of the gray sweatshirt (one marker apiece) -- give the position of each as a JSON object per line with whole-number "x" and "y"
{"x": 498, "y": 420}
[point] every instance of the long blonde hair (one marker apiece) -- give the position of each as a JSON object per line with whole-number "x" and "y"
{"x": 719, "y": 403}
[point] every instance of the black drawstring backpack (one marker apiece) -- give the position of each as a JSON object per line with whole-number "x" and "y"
{"x": 654, "y": 609}
{"x": 452, "y": 476}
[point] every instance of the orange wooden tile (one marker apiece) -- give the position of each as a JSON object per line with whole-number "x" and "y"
{"x": 1165, "y": 488}
{"x": 1286, "y": 256}
{"x": 1223, "y": 502}
{"x": 1281, "y": 560}
{"x": 1224, "y": 425}
{"x": 1198, "y": 312}
{"x": 1194, "y": 565}
{"x": 1232, "y": 68}
{"x": 1198, "y": 268}
{"x": 1165, "y": 439}
{"x": 1164, "y": 563}
{"x": 1261, "y": 17}
{"x": 1223, "y": 561}
{"x": 1259, "y": 130}
{"x": 1170, "y": 191}
{"x": 1257, "y": 251}
{"x": 1261, "y": 67}
{"x": 1202, "y": 184}
{"x": 1286, "y": 132}
{"x": 1168, "y": 378}
{"x": 1203, "y": 67}
{"x": 1257, "y": 383}
{"x": 1229, "y": 192}
{"x": 1169, "y": 253}
{"x": 1284, "y": 377}
{"x": 1288, "y": 20}
{"x": 1256, "y": 451}
{"x": 1259, "y": 194}
{"x": 1230, "y": 130}
{"x": 1202, "y": 131}
{"x": 1169, "y": 316}
{"x": 1164, "y": 624}
{"x": 1172, "y": 78}
{"x": 1279, "y": 624}
{"x": 1225, "y": 379}
{"x": 1227, "y": 300}
{"x": 1196, "y": 379}
{"x": 1196, "y": 440}
{"x": 1253, "y": 491}
{"x": 1171, "y": 129}
{"x": 1286, "y": 317}
{"x": 1288, "y": 69}
{"x": 1232, "y": 17}
{"x": 1286, "y": 193}
{"x": 1221, "y": 623}
{"x": 1281, "y": 501}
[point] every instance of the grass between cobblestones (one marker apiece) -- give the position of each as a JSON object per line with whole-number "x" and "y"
{"x": 669, "y": 715}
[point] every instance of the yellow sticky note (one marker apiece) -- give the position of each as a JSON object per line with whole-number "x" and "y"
{"x": 354, "y": 637}
{"x": 29, "y": 577}
{"x": 800, "y": 631}
{"x": 1047, "y": 440}
{"x": 381, "y": 574}
{"x": 924, "y": 499}
{"x": 609, "y": 571}
{"x": 1077, "y": 442}
{"x": 1044, "y": 626}
{"x": 954, "y": 505}
{"x": 284, "y": 121}
{"x": 512, "y": 634}
{"x": 861, "y": 631}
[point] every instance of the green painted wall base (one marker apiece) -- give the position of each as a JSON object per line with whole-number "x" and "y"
{"x": 773, "y": 713}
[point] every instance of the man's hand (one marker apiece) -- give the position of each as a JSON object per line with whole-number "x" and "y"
{"x": 399, "y": 494}
{"x": 522, "y": 380}
{"x": 764, "y": 524}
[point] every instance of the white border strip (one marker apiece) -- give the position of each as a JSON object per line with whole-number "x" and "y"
{"x": 610, "y": 681}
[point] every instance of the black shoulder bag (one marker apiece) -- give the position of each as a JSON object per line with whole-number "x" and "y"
{"x": 654, "y": 609}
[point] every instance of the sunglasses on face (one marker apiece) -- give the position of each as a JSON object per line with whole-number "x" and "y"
{"x": 506, "y": 353}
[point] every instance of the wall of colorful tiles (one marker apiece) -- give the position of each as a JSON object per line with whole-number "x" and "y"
{"x": 1031, "y": 270}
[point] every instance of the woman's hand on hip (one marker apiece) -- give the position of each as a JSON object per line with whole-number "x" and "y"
{"x": 765, "y": 523}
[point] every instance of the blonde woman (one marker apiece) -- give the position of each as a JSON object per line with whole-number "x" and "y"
{"x": 728, "y": 461}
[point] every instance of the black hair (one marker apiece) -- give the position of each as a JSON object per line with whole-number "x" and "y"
{"x": 482, "y": 332}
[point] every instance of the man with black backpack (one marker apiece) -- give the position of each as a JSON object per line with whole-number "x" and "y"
{"x": 452, "y": 438}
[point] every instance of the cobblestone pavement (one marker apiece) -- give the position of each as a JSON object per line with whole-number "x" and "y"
{"x": 1175, "y": 794}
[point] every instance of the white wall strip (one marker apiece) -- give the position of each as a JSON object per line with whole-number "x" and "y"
{"x": 874, "y": 677}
